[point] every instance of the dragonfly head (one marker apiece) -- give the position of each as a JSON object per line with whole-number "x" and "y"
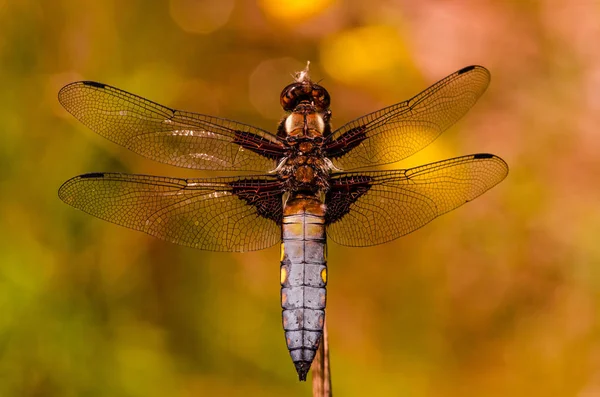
{"x": 303, "y": 91}
{"x": 306, "y": 91}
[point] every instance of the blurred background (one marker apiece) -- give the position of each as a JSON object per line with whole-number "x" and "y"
{"x": 500, "y": 297}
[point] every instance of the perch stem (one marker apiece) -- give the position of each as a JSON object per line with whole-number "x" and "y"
{"x": 321, "y": 375}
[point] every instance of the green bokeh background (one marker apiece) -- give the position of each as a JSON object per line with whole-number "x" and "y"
{"x": 500, "y": 297}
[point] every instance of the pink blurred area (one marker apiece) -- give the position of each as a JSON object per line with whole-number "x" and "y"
{"x": 500, "y": 297}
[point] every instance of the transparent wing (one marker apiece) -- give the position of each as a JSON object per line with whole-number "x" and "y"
{"x": 369, "y": 208}
{"x": 167, "y": 135}
{"x": 217, "y": 214}
{"x": 396, "y": 132}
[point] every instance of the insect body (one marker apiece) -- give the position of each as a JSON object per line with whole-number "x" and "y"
{"x": 314, "y": 188}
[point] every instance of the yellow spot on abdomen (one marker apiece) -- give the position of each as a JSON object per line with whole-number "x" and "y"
{"x": 283, "y": 274}
{"x": 283, "y": 298}
{"x": 282, "y": 252}
{"x": 324, "y": 275}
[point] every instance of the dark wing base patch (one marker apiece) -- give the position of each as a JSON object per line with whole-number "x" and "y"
{"x": 259, "y": 145}
{"x": 345, "y": 143}
{"x": 266, "y": 197}
{"x": 343, "y": 193}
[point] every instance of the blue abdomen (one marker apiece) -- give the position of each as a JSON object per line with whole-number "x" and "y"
{"x": 303, "y": 278}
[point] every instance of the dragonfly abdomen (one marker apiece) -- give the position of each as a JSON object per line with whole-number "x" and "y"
{"x": 303, "y": 278}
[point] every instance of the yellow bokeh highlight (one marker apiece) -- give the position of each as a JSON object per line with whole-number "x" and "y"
{"x": 200, "y": 16}
{"x": 294, "y": 10}
{"x": 363, "y": 52}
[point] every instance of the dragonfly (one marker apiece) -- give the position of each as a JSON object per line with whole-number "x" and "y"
{"x": 306, "y": 183}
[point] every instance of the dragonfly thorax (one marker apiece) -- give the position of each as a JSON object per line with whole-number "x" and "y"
{"x": 305, "y": 172}
{"x": 305, "y": 123}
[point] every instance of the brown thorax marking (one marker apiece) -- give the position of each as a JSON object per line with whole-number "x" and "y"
{"x": 306, "y": 147}
{"x": 303, "y": 123}
{"x": 305, "y": 174}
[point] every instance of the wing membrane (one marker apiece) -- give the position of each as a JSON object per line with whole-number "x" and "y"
{"x": 183, "y": 139}
{"x": 370, "y": 208}
{"x": 398, "y": 131}
{"x": 217, "y": 214}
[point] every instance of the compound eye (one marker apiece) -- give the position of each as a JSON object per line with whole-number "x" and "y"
{"x": 289, "y": 95}
{"x": 320, "y": 96}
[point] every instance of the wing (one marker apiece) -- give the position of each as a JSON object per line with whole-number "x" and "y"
{"x": 396, "y": 132}
{"x": 170, "y": 136}
{"x": 216, "y": 214}
{"x": 370, "y": 208}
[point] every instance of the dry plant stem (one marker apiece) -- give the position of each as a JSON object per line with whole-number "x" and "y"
{"x": 321, "y": 375}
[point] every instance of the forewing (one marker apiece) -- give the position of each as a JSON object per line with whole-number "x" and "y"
{"x": 398, "y": 131}
{"x": 183, "y": 139}
{"x": 216, "y": 214}
{"x": 370, "y": 208}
